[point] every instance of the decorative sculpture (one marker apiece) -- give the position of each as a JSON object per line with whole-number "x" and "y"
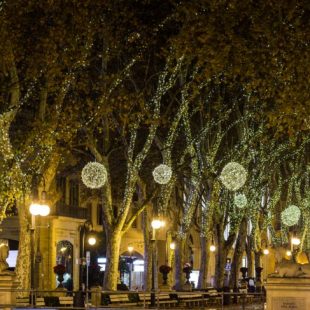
{"x": 4, "y": 253}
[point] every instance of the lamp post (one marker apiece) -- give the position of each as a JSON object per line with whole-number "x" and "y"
{"x": 156, "y": 224}
{"x": 36, "y": 209}
{"x": 91, "y": 240}
{"x": 130, "y": 250}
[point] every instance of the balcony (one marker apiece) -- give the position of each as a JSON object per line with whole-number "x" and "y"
{"x": 74, "y": 212}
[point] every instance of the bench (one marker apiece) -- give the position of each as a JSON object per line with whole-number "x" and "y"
{"x": 26, "y": 302}
{"x": 213, "y": 296}
{"x": 244, "y": 296}
{"x": 65, "y": 301}
{"x": 191, "y": 299}
{"x": 22, "y": 302}
{"x": 121, "y": 300}
{"x": 163, "y": 299}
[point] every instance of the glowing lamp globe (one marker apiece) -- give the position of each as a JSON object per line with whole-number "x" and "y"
{"x": 94, "y": 175}
{"x": 172, "y": 246}
{"x": 295, "y": 241}
{"x": 240, "y": 201}
{"x": 290, "y": 216}
{"x": 92, "y": 240}
{"x": 44, "y": 210}
{"x": 130, "y": 248}
{"x": 162, "y": 174}
{"x": 156, "y": 224}
{"x": 34, "y": 209}
{"x": 266, "y": 251}
{"x": 288, "y": 253}
{"x": 212, "y": 248}
{"x": 233, "y": 176}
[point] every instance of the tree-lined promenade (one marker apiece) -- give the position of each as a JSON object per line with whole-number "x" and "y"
{"x": 133, "y": 85}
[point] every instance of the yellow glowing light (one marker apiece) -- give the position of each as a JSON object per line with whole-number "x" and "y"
{"x": 92, "y": 240}
{"x": 266, "y": 251}
{"x": 156, "y": 224}
{"x": 295, "y": 241}
{"x": 172, "y": 246}
{"x": 288, "y": 253}
{"x": 130, "y": 248}
{"x": 212, "y": 248}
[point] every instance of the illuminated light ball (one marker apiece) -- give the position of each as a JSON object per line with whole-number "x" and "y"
{"x": 94, "y": 175}
{"x": 92, "y": 240}
{"x": 212, "y": 248}
{"x": 290, "y": 216}
{"x": 288, "y": 253}
{"x": 156, "y": 224}
{"x": 162, "y": 174}
{"x": 233, "y": 176}
{"x": 240, "y": 200}
{"x": 266, "y": 251}
{"x": 45, "y": 210}
{"x": 172, "y": 246}
{"x": 295, "y": 241}
{"x": 34, "y": 209}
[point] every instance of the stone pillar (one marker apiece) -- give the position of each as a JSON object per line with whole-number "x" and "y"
{"x": 288, "y": 293}
{"x": 8, "y": 284}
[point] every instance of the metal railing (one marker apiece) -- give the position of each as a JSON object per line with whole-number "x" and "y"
{"x": 62, "y": 299}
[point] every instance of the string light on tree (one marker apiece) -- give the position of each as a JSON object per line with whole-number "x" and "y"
{"x": 233, "y": 176}
{"x": 162, "y": 174}
{"x": 94, "y": 175}
{"x": 290, "y": 216}
{"x": 240, "y": 200}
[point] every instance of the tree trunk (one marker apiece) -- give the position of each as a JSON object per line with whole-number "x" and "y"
{"x": 220, "y": 261}
{"x": 204, "y": 262}
{"x": 238, "y": 253}
{"x": 179, "y": 263}
{"x": 147, "y": 275}
{"x": 23, "y": 266}
{"x": 111, "y": 272}
{"x": 250, "y": 256}
{"x": 257, "y": 258}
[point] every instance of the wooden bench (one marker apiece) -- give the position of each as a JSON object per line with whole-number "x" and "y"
{"x": 160, "y": 298}
{"x": 213, "y": 296}
{"x": 65, "y": 301}
{"x": 244, "y": 296}
{"x": 26, "y": 302}
{"x": 22, "y": 302}
{"x": 191, "y": 299}
{"x": 120, "y": 300}
{"x": 40, "y": 302}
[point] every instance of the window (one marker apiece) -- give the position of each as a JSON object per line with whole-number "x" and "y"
{"x": 61, "y": 188}
{"x": 74, "y": 193}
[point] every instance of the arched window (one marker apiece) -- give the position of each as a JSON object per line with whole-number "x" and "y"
{"x": 64, "y": 256}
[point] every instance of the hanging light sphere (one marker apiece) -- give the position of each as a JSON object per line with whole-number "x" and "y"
{"x": 240, "y": 200}
{"x": 94, "y": 175}
{"x": 233, "y": 176}
{"x": 45, "y": 210}
{"x": 290, "y": 216}
{"x": 162, "y": 174}
{"x": 92, "y": 240}
{"x": 288, "y": 253}
{"x": 212, "y": 248}
{"x": 266, "y": 251}
{"x": 34, "y": 209}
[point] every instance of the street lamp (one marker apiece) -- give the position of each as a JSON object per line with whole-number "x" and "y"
{"x": 91, "y": 240}
{"x": 156, "y": 224}
{"x": 36, "y": 209}
{"x": 130, "y": 250}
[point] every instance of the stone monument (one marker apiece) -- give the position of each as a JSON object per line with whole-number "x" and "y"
{"x": 289, "y": 287}
{"x": 7, "y": 279}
